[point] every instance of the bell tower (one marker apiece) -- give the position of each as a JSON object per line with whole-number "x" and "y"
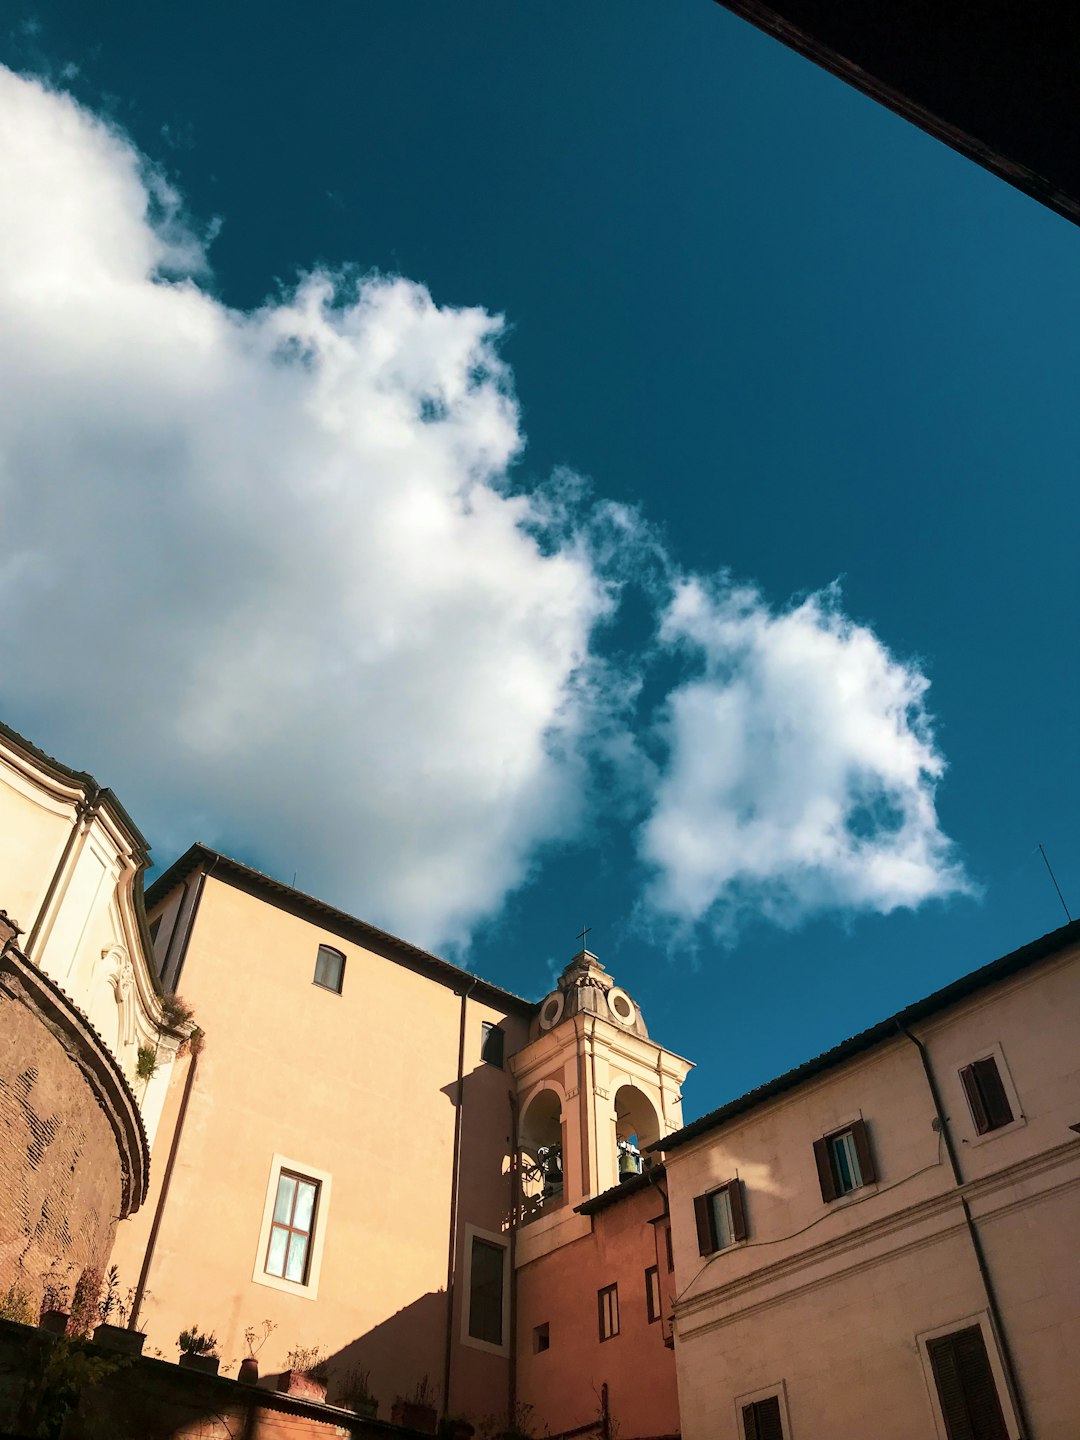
{"x": 593, "y": 1091}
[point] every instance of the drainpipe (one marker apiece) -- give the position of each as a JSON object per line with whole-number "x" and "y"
{"x": 455, "y": 1186}
{"x": 1008, "y": 1365}
{"x": 84, "y": 809}
{"x": 515, "y": 1170}
{"x": 170, "y": 1164}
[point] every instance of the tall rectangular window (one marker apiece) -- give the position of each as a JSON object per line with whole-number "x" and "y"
{"x": 486, "y": 1291}
{"x": 986, "y": 1097}
{"x": 965, "y": 1385}
{"x": 844, "y": 1161}
{"x": 652, "y": 1293}
{"x": 607, "y": 1304}
{"x": 329, "y": 968}
{"x": 491, "y": 1043}
{"x": 292, "y": 1227}
{"x": 721, "y": 1217}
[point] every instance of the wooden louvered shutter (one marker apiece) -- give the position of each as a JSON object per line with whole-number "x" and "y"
{"x": 761, "y": 1420}
{"x": 706, "y": 1234}
{"x": 995, "y": 1101}
{"x": 974, "y": 1099}
{"x": 965, "y": 1384}
{"x": 826, "y": 1178}
{"x": 862, "y": 1152}
{"x": 738, "y": 1210}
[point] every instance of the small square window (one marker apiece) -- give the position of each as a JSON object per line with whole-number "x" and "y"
{"x": 491, "y": 1043}
{"x": 652, "y": 1293}
{"x": 844, "y": 1161}
{"x": 329, "y": 968}
{"x": 541, "y": 1338}
{"x": 986, "y": 1097}
{"x": 721, "y": 1217}
{"x": 607, "y": 1302}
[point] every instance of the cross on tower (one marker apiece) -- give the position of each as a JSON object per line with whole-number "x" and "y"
{"x": 584, "y": 934}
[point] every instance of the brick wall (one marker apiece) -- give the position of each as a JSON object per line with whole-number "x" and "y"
{"x": 60, "y": 1178}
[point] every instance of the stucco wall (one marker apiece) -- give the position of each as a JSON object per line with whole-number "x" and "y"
{"x": 829, "y": 1299}
{"x": 359, "y": 1086}
{"x": 562, "y": 1384}
{"x": 60, "y": 1185}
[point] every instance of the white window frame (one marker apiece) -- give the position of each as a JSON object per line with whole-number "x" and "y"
{"x": 310, "y": 1288}
{"x": 997, "y": 1369}
{"x": 991, "y": 1052}
{"x": 473, "y": 1232}
{"x": 764, "y": 1392}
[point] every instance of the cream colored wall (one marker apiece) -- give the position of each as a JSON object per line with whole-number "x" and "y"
{"x": 359, "y": 1085}
{"x": 829, "y": 1299}
{"x": 87, "y": 940}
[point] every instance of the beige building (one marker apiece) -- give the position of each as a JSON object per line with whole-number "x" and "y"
{"x": 885, "y": 1240}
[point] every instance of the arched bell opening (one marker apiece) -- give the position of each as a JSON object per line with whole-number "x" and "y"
{"x": 636, "y": 1128}
{"x": 541, "y": 1145}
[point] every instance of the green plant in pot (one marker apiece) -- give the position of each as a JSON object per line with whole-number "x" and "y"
{"x": 114, "y": 1309}
{"x": 417, "y": 1409}
{"x": 356, "y": 1393}
{"x": 255, "y": 1339}
{"x": 305, "y": 1373}
{"x": 198, "y": 1351}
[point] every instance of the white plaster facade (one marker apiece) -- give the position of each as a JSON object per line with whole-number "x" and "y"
{"x": 70, "y": 862}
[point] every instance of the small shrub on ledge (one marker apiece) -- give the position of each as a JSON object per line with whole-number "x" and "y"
{"x": 198, "y": 1351}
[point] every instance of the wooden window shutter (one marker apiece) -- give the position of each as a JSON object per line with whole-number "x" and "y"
{"x": 761, "y": 1420}
{"x": 974, "y": 1099}
{"x": 965, "y": 1384}
{"x": 862, "y": 1152}
{"x": 996, "y": 1102}
{"x": 826, "y": 1178}
{"x": 706, "y": 1236}
{"x": 738, "y": 1210}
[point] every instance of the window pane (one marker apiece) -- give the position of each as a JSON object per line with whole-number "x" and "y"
{"x": 720, "y": 1201}
{"x": 294, "y": 1268}
{"x": 305, "y": 1204}
{"x": 486, "y": 1292}
{"x": 329, "y": 968}
{"x": 845, "y": 1161}
{"x": 275, "y": 1260}
{"x": 286, "y": 1190}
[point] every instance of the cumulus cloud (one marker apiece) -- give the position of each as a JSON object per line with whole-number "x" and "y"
{"x": 801, "y": 768}
{"x": 266, "y": 573}
{"x": 263, "y": 570}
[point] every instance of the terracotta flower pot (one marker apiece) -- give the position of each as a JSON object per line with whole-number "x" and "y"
{"x": 302, "y": 1384}
{"x": 207, "y": 1364}
{"x": 417, "y": 1417}
{"x": 249, "y": 1371}
{"x": 54, "y": 1321}
{"x": 118, "y": 1337}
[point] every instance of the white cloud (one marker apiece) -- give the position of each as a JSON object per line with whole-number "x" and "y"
{"x": 264, "y": 574}
{"x": 261, "y": 570}
{"x": 801, "y": 767}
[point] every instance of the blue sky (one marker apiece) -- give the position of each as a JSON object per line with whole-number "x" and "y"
{"x": 788, "y": 341}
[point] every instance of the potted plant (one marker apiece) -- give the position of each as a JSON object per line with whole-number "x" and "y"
{"x": 198, "y": 1351}
{"x": 305, "y": 1373}
{"x": 55, "y": 1305}
{"x": 113, "y": 1305}
{"x": 356, "y": 1394}
{"x": 416, "y": 1410}
{"x": 456, "y": 1427}
{"x": 249, "y": 1365}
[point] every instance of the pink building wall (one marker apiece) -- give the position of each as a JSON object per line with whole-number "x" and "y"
{"x": 830, "y": 1305}
{"x": 562, "y": 1384}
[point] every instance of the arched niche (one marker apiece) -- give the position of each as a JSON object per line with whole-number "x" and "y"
{"x": 636, "y": 1128}
{"x": 540, "y": 1141}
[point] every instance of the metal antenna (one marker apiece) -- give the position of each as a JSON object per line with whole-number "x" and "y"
{"x": 1057, "y": 887}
